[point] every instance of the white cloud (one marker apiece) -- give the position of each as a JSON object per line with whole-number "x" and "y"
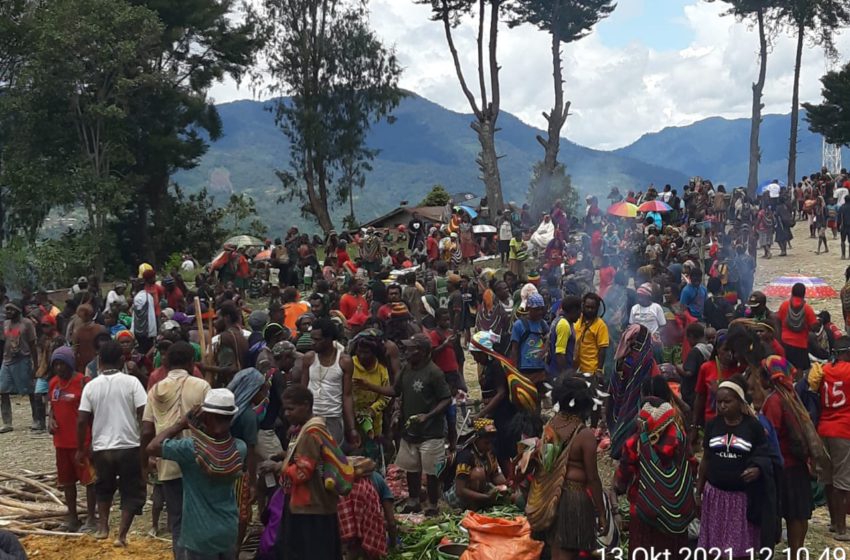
{"x": 617, "y": 94}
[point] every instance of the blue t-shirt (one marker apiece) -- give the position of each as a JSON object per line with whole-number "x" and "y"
{"x": 210, "y": 518}
{"x": 693, "y": 297}
{"x": 531, "y": 344}
{"x": 381, "y": 487}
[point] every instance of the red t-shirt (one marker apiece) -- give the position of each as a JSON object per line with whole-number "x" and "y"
{"x": 772, "y": 410}
{"x": 65, "y": 401}
{"x": 835, "y": 406}
{"x": 445, "y": 359}
{"x": 707, "y": 382}
{"x": 350, "y": 304}
{"x": 157, "y": 292}
{"x": 596, "y": 244}
{"x": 789, "y": 337}
{"x": 433, "y": 248}
{"x": 342, "y": 256}
{"x": 175, "y": 299}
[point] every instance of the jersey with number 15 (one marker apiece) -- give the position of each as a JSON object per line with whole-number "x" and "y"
{"x": 835, "y": 404}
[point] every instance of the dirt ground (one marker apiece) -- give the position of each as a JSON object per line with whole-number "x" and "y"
{"x": 22, "y": 451}
{"x": 803, "y": 261}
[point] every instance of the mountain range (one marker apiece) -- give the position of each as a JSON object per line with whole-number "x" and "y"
{"x": 426, "y": 144}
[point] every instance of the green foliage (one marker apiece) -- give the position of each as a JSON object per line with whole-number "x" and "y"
{"x": 56, "y": 263}
{"x": 341, "y": 79}
{"x": 239, "y": 217}
{"x": 569, "y": 20}
{"x": 823, "y": 18}
{"x": 66, "y": 112}
{"x": 201, "y": 42}
{"x": 438, "y": 196}
{"x": 831, "y": 118}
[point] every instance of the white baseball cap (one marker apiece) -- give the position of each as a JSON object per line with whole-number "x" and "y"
{"x": 220, "y": 401}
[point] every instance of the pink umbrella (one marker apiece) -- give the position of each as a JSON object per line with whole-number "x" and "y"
{"x": 263, "y": 255}
{"x": 816, "y": 288}
{"x": 654, "y": 206}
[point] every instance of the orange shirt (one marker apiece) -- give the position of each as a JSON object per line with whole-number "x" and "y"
{"x": 292, "y": 312}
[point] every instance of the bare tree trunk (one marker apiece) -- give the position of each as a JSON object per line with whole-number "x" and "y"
{"x": 755, "y": 119}
{"x": 488, "y": 113}
{"x": 488, "y": 162}
{"x": 795, "y": 110}
{"x": 318, "y": 204}
{"x": 558, "y": 116}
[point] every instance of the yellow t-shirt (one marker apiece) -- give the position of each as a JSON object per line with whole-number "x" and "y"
{"x": 365, "y": 400}
{"x": 563, "y": 330}
{"x": 590, "y": 337}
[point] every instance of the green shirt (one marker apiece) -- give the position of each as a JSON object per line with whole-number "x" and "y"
{"x": 210, "y": 518}
{"x": 421, "y": 390}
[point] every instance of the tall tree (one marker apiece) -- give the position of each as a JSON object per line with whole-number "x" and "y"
{"x": 200, "y": 43}
{"x": 831, "y": 117}
{"x": 14, "y": 25}
{"x": 759, "y": 12}
{"x": 566, "y": 21}
{"x": 339, "y": 80}
{"x": 486, "y": 108}
{"x": 821, "y": 18}
{"x": 83, "y": 67}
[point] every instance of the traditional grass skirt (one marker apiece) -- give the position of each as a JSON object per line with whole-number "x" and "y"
{"x": 724, "y": 525}
{"x": 574, "y": 527}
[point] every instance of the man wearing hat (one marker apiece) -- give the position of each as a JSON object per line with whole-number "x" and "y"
{"x": 479, "y": 481}
{"x": 210, "y": 460}
{"x": 425, "y": 396}
{"x": 758, "y": 311}
{"x": 20, "y": 360}
{"x": 116, "y": 296}
{"x": 528, "y": 340}
{"x": 167, "y": 400}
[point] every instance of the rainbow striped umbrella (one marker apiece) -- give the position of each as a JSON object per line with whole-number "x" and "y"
{"x": 623, "y": 210}
{"x": 816, "y": 288}
{"x": 654, "y": 206}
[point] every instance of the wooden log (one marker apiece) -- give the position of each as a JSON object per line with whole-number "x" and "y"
{"x": 34, "y": 483}
{"x": 21, "y": 493}
{"x": 43, "y": 532}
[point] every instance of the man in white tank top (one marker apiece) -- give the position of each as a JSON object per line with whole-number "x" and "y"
{"x": 327, "y": 371}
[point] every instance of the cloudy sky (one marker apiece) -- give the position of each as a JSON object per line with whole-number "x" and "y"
{"x": 651, "y": 64}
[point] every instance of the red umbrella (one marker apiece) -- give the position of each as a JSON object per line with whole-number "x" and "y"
{"x": 654, "y": 206}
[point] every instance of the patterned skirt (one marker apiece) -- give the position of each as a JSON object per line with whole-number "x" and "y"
{"x": 724, "y": 525}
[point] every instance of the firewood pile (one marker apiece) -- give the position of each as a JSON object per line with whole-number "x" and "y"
{"x": 30, "y": 503}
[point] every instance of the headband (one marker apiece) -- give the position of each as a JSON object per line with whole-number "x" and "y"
{"x": 737, "y": 389}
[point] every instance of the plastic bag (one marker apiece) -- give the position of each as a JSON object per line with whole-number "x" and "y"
{"x": 497, "y": 539}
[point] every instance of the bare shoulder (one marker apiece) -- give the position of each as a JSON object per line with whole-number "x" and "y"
{"x": 345, "y": 361}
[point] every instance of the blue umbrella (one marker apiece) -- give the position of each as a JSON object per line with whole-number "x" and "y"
{"x": 763, "y": 186}
{"x": 472, "y": 213}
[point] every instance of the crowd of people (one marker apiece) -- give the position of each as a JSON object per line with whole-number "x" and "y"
{"x": 322, "y": 395}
